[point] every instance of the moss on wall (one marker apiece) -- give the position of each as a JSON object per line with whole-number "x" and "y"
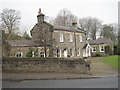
{"x": 38, "y": 65}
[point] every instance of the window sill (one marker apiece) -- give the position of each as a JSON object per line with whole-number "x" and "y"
{"x": 101, "y": 51}
{"x": 61, "y": 42}
{"x": 93, "y": 51}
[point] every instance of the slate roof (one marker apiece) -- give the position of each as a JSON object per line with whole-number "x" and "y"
{"x": 69, "y": 29}
{"x": 99, "y": 41}
{"x": 25, "y": 43}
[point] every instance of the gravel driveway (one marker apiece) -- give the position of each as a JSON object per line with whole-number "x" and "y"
{"x": 98, "y": 68}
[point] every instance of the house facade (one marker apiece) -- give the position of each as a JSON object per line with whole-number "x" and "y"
{"x": 27, "y": 48}
{"x": 59, "y": 41}
{"x": 63, "y": 41}
{"x": 101, "y": 47}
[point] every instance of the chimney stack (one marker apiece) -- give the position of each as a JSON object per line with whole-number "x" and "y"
{"x": 74, "y": 23}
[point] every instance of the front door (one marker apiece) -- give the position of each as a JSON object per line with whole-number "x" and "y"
{"x": 88, "y": 53}
{"x": 65, "y": 52}
{"x": 84, "y": 53}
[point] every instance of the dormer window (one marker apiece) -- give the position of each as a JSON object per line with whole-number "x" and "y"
{"x": 61, "y": 37}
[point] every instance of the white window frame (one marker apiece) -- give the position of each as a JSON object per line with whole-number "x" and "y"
{"x": 101, "y": 47}
{"x": 60, "y": 53}
{"x": 78, "y": 52}
{"x": 61, "y": 37}
{"x": 71, "y": 37}
{"x": 81, "y": 39}
{"x": 19, "y": 53}
{"x": 33, "y": 54}
{"x": 71, "y": 52}
{"x": 42, "y": 54}
{"x": 93, "y": 49}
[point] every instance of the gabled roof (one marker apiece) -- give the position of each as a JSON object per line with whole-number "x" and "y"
{"x": 85, "y": 45}
{"x": 69, "y": 29}
{"x": 99, "y": 41}
{"x": 62, "y": 28}
{"x": 25, "y": 43}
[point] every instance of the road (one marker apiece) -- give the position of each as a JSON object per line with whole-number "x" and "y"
{"x": 103, "y": 82}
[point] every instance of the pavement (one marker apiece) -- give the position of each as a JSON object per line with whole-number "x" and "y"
{"x": 98, "y": 69}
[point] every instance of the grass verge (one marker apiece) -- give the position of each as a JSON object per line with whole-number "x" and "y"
{"x": 112, "y": 61}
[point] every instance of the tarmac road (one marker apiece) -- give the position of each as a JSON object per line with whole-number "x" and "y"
{"x": 103, "y": 82}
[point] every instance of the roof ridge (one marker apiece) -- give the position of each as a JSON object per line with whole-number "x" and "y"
{"x": 70, "y": 29}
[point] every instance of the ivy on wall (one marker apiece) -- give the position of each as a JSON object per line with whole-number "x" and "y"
{"x": 29, "y": 54}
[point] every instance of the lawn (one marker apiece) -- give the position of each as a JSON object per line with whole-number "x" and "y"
{"x": 112, "y": 60}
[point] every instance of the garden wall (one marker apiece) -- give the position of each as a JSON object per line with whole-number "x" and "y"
{"x": 39, "y": 65}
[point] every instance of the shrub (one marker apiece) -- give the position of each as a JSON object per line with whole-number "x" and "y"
{"x": 29, "y": 54}
{"x": 97, "y": 54}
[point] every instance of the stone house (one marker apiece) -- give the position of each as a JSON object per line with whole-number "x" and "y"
{"x": 63, "y": 41}
{"x": 101, "y": 47}
{"x": 21, "y": 48}
{"x": 59, "y": 41}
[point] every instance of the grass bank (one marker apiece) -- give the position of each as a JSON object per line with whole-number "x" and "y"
{"x": 112, "y": 61}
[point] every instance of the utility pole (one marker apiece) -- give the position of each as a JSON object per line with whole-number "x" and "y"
{"x": 75, "y": 44}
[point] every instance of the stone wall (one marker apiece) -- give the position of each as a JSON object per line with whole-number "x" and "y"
{"x": 39, "y": 65}
{"x": 25, "y": 50}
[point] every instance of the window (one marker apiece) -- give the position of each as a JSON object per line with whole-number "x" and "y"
{"x": 71, "y": 52}
{"x": 101, "y": 48}
{"x": 65, "y": 53}
{"x": 19, "y": 54}
{"x": 33, "y": 54}
{"x": 94, "y": 49}
{"x": 78, "y": 52}
{"x": 42, "y": 54}
{"x": 58, "y": 52}
{"x": 81, "y": 38}
{"x": 61, "y": 37}
{"x": 71, "y": 38}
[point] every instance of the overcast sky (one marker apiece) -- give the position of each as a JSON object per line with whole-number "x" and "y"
{"x": 105, "y": 10}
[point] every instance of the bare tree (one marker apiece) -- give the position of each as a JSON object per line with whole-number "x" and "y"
{"x": 115, "y": 28}
{"x": 64, "y": 18}
{"x": 50, "y": 20}
{"x": 6, "y": 47}
{"x": 86, "y": 24}
{"x": 26, "y": 36}
{"x": 10, "y": 20}
{"x": 96, "y": 25}
{"x": 91, "y": 26}
{"x": 111, "y": 31}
